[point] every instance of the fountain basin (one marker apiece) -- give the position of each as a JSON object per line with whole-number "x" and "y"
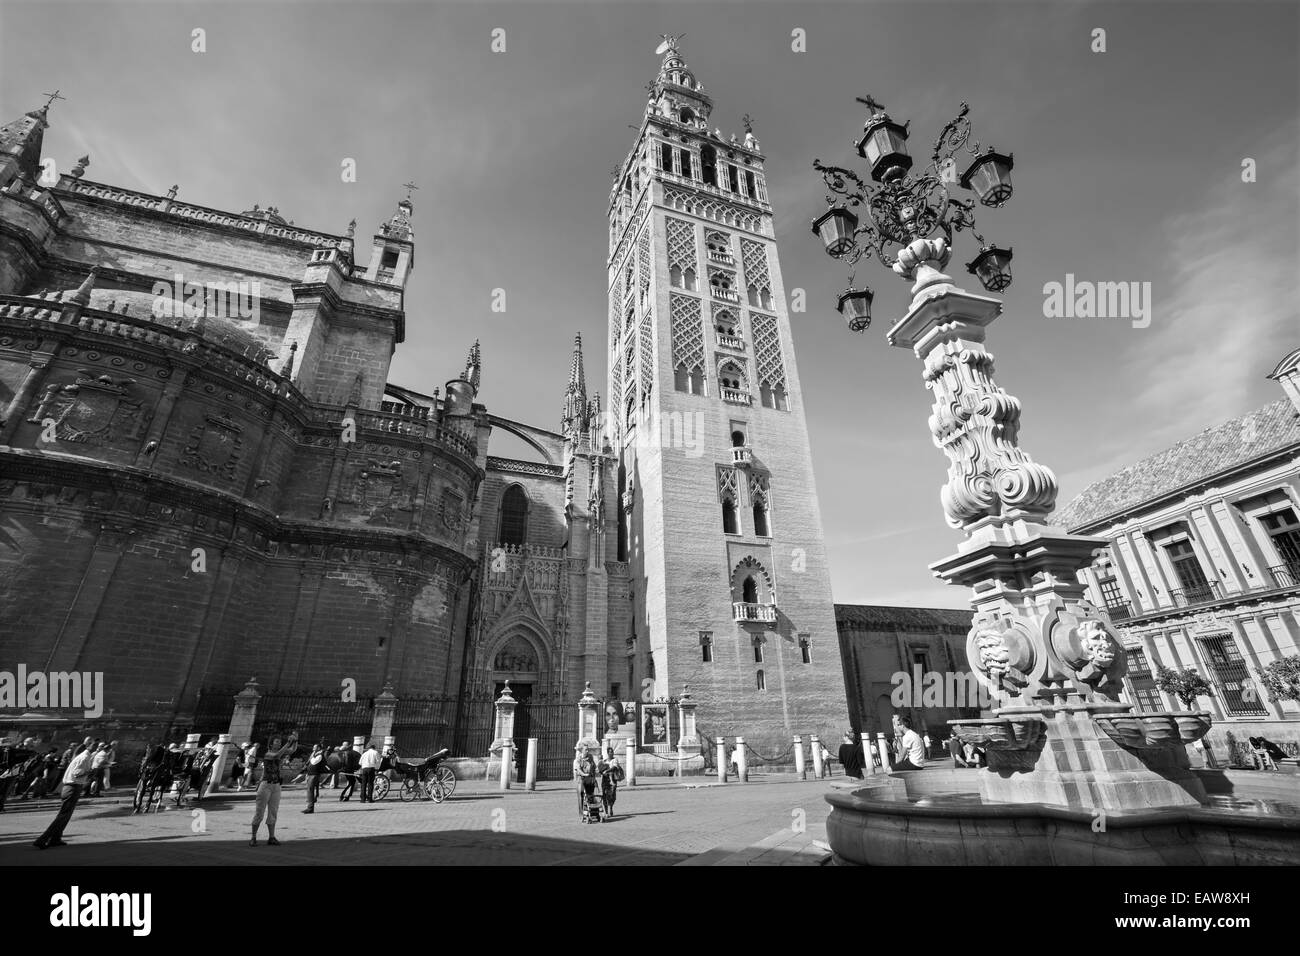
{"x": 881, "y": 826}
{"x": 999, "y": 733}
{"x": 1158, "y": 731}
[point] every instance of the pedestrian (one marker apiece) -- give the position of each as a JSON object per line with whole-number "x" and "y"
{"x": 851, "y": 755}
{"x": 314, "y": 769}
{"x": 584, "y": 772}
{"x": 611, "y": 774}
{"x": 268, "y": 790}
{"x": 108, "y": 767}
{"x": 826, "y": 760}
{"x": 48, "y": 775}
{"x": 9, "y": 767}
{"x": 240, "y": 762}
{"x": 348, "y": 769}
{"x": 911, "y": 749}
{"x": 74, "y": 779}
{"x": 98, "y": 767}
{"x": 369, "y": 767}
{"x": 249, "y": 780}
{"x": 928, "y": 744}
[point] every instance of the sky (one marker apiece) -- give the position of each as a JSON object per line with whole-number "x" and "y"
{"x": 1128, "y": 168}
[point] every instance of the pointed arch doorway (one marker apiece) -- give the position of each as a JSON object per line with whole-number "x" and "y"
{"x": 516, "y": 662}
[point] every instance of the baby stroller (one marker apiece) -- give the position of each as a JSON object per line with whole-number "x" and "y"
{"x": 591, "y": 807}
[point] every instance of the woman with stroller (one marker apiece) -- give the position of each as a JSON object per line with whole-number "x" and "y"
{"x": 584, "y": 772}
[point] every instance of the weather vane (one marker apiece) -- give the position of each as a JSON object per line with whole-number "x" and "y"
{"x": 52, "y": 97}
{"x": 409, "y": 187}
{"x": 670, "y": 42}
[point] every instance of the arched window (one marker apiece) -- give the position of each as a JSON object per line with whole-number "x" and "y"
{"x": 730, "y": 519}
{"x": 682, "y": 379}
{"x": 749, "y": 590}
{"x": 686, "y": 163}
{"x": 737, "y": 438}
{"x": 697, "y": 381}
{"x": 762, "y": 682}
{"x": 514, "y": 516}
{"x": 749, "y": 184}
{"x": 753, "y": 295}
{"x": 709, "y": 165}
{"x": 688, "y": 280}
{"x": 686, "y": 115}
{"x": 765, "y": 395}
{"x": 760, "y": 520}
{"x": 665, "y": 157}
{"x": 675, "y": 276}
{"x": 779, "y": 399}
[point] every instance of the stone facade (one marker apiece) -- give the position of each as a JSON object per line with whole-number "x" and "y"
{"x": 1202, "y": 570}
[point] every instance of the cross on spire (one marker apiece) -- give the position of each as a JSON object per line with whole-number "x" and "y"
{"x": 409, "y": 187}
{"x": 52, "y": 97}
{"x": 870, "y": 103}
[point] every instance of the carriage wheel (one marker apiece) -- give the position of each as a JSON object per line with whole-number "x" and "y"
{"x": 446, "y": 779}
{"x": 410, "y": 789}
{"x": 182, "y": 788}
{"x": 381, "y": 787}
{"x": 437, "y": 792}
{"x": 140, "y": 792}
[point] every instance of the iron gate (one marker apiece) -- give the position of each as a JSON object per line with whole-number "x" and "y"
{"x": 312, "y": 716}
{"x": 424, "y": 725}
{"x": 554, "y": 723}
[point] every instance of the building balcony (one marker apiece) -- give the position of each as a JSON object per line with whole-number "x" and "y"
{"x": 737, "y": 397}
{"x": 731, "y": 342}
{"x": 726, "y": 295}
{"x": 742, "y": 456}
{"x": 1202, "y": 594}
{"x": 754, "y": 613}
{"x": 725, "y": 258}
{"x": 1119, "y": 612}
{"x": 1286, "y": 575}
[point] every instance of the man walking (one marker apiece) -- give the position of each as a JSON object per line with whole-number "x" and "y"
{"x": 73, "y": 780}
{"x": 268, "y": 791}
{"x": 911, "y": 749}
{"x": 98, "y": 768}
{"x": 369, "y": 767}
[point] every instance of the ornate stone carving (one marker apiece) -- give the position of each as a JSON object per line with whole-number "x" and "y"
{"x": 92, "y": 410}
{"x": 378, "y": 492}
{"x": 452, "y": 510}
{"x": 214, "y": 447}
{"x": 1003, "y": 653}
{"x": 1088, "y": 649}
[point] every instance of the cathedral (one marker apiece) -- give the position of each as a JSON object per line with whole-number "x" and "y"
{"x": 206, "y": 473}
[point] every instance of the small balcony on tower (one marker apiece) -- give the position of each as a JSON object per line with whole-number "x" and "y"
{"x": 722, "y": 286}
{"x": 747, "y": 613}
{"x": 742, "y": 456}
{"x": 733, "y": 342}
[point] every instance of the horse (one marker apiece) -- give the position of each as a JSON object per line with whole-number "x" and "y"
{"x": 346, "y": 763}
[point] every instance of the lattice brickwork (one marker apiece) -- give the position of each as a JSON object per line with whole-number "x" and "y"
{"x": 759, "y": 490}
{"x": 767, "y": 351}
{"x": 615, "y": 312}
{"x": 706, "y": 207}
{"x": 681, "y": 245}
{"x": 728, "y": 485}
{"x": 754, "y": 256}
{"x": 643, "y": 261}
{"x": 687, "y": 334}
{"x": 647, "y": 356}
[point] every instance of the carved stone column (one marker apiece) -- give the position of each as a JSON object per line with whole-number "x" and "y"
{"x": 1060, "y": 735}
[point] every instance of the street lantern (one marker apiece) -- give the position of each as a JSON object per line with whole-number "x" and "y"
{"x": 993, "y": 268}
{"x": 884, "y": 145}
{"x": 855, "y": 306}
{"x": 835, "y": 228}
{"x": 989, "y": 177}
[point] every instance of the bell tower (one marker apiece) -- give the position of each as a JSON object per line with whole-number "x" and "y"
{"x": 719, "y": 512}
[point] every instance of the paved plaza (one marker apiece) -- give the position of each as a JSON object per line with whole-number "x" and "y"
{"x": 773, "y": 821}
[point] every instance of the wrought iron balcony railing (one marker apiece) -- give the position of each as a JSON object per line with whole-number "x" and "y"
{"x": 1286, "y": 575}
{"x": 1186, "y": 597}
{"x": 1120, "y": 611}
{"x": 762, "y": 613}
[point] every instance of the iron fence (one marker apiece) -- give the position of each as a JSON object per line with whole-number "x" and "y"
{"x": 312, "y": 715}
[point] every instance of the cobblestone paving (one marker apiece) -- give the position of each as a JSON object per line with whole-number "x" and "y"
{"x": 780, "y": 822}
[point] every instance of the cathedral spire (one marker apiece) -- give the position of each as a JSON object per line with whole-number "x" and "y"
{"x": 21, "y": 140}
{"x": 574, "y": 418}
{"x": 675, "y": 93}
{"x": 474, "y": 366}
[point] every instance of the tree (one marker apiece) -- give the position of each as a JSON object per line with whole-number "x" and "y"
{"x": 1185, "y": 685}
{"x": 1281, "y": 678}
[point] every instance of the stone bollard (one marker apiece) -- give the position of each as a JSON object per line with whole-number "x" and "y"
{"x": 630, "y": 779}
{"x": 799, "y": 766}
{"x": 722, "y": 760}
{"x": 742, "y": 761}
{"x": 219, "y": 765}
{"x": 530, "y": 768}
{"x": 507, "y": 763}
{"x": 819, "y": 765}
{"x": 884, "y": 754}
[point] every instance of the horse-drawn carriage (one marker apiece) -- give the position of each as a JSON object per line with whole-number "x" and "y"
{"x": 164, "y": 770}
{"x": 428, "y": 780}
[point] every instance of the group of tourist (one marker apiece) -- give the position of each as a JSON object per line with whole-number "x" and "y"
{"x": 906, "y": 750}
{"x": 588, "y": 769}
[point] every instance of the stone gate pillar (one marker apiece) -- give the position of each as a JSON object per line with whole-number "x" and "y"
{"x": 587, "y": 715}
{"x": 503, "y": 731}
{"x": 240, "y": 731}
{"x": 381, "y": 725}
{"x": 688, "y": 744}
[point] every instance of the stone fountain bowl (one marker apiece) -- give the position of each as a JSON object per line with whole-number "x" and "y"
{"x": 1159, "y": 731}
{"x": 998, "y": 733}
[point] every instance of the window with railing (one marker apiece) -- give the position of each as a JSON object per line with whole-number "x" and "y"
{"x": 1238, "y": 692}
{"x": 1283, "y": 531}
{"x": 1194, "y": 586}
{"x": 1113, "y": 598}
{"x": 1146, "y": 696}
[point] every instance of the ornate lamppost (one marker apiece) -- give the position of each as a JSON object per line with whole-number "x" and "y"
{"x": 1046, "y": 654}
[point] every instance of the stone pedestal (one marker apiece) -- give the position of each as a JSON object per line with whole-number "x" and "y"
{"x": 588, "y": 706}
{"x": 504, "y": 730}
{"x": 381, "y": 725}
